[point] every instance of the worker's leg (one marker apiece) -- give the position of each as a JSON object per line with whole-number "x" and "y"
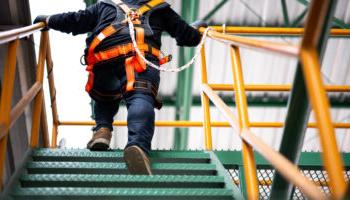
{"x": 106, "y": 86}
{"x": 140, "y": 128}
{"x": 140, "y": 121}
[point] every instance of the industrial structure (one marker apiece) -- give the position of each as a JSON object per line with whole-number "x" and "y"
{"x": 240, "y": 153}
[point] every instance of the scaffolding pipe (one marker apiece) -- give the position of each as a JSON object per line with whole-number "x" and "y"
{"x": 280, "y": 163}
{"x": 243, "y": 119}
{"x": 205, "y": 104}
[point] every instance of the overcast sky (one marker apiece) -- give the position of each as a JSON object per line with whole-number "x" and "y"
{"x": 70, "y": 75}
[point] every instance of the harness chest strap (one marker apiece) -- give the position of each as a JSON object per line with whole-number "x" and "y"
{"x": 133, "y": 63}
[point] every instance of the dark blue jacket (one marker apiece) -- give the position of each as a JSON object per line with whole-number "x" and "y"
{"x": 98, "y": 16}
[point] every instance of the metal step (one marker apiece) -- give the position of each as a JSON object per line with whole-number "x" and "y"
{"x": 84, "y": 155}
{"x": 73, "y": 193}
{"x": 118, "y": 168}
{"x": 132, "y": 181}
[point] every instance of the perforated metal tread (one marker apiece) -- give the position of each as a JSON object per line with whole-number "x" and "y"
{"x": 140, "y": 181}
{"x": 120, "y": 193}
{"x": 83, "y": 174}
{"x": 118, "y": 168}
{"x": 84, "y": 155}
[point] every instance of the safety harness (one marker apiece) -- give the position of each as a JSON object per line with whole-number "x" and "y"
{"x": 133, "y": 63}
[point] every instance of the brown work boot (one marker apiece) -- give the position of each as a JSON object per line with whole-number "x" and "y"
{"x": 137, "y": 161}
{"x": 100, "y": 140}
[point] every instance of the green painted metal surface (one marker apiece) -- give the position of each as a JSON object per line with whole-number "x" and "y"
{"x": 337, "y": 22}
{"x": 122, "y": 193}
{"x": 285, "y": 13}
{"x": 298, "y": 116}
{"x": 297, "y": 21}
{"x": 223, "y": 172}
{"x": 81, "y": 179}
{"x": 307, "y": 159}
{"x": 189, "y": 12}
{"x": 131, "y": 181}
{"x": 214, "y": 10}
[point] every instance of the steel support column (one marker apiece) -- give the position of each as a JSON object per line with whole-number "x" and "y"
{"x": 298, "y": 115}
{"x": 184, "y": 91}
{"x": 214, "y": 10}
{"x": 336, "y": 21}
{"x": 285, "y": 13}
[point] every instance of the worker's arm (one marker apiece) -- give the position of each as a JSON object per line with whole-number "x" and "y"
{"x": 79, "y": 22}
{"x": 184, "y": 34}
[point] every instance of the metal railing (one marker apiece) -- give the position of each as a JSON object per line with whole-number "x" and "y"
{"x": 242, "y": 124}
{"x": 316, "y": 91}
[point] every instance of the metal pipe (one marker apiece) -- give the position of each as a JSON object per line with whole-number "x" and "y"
{"x": 278, "y": 31}
{"x": 24, "y": 102}
{"x": 241, "y": 102}
{"x": 280, "y": 163}
{"x": 199, "y": 124}
{"x": 43, "y": 126}
{"x": 205, "y": 104}
{"x": 11, "y": 35}
{"x": 286, "y": 49}
{"x": 6, "y": 103}
{"x": 275, "y": 88}
{"x": 319, "y": 12}
{"x": 39, "y": 97}
{"x": 52, "y": 89}
{"x": 320, "y": 105}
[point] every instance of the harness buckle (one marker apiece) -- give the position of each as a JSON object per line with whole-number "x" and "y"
{"x": 134, "y": 14}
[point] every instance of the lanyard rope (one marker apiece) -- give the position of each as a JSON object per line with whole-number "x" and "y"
{"x": 172, "y": 69}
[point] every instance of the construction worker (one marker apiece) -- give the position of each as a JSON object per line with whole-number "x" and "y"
{"x": 117, "y": 73}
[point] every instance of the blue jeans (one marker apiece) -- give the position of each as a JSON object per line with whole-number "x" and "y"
{"x": 110, "y": 78}
{"x": 140, "y": 118}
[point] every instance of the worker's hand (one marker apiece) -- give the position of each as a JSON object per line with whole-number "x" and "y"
{"x": 42, "y": 18}
{"x": 199, "y": 23}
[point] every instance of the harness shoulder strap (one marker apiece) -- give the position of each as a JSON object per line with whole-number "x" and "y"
{"x": 149, "y": 6}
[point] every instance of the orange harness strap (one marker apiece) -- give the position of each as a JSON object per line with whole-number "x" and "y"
{"x": 108, "y": 31}
{"x": 135, "y": 63}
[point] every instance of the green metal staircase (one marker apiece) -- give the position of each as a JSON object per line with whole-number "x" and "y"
{"x": 82, "y": 174}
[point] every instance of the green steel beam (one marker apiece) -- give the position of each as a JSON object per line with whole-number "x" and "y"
{"x": 285, "y": 13}
{"x": 260, "y": 101}
{"x": 298, "y": 116}
{"x": 300, "y": 17}
{"x": 222, "y": 172}
{"x": 184, "y": 88}
{"x": 308, "y": 160}
{"x": 242, "y": 181}
{"x": 336, "y": 21}
{"x": 214, "y": 10}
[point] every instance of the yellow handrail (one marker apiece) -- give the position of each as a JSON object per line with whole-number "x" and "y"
{"x": 12, "y": 35}
{"x": 260, "y": 45}
{"x": 275, "y": 87}
{"x": 281, "y": 164}
{"x": 9, "y": 116}
{"x": 198, "y": 124}
{"x": 280, "y": 31}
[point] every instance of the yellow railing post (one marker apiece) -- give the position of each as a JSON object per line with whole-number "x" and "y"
{"x": 49, "y": 66}
{"x": 318, "y": 98}
{"x": 205, "y": 103}
{"x": 6, "y": 102}
{"x": 241, "y": 102}
{"x": 39, "y": 97}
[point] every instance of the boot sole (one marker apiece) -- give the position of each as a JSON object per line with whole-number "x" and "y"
{"x": 136, "y": 161}
{"x": 99, "y": 144}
